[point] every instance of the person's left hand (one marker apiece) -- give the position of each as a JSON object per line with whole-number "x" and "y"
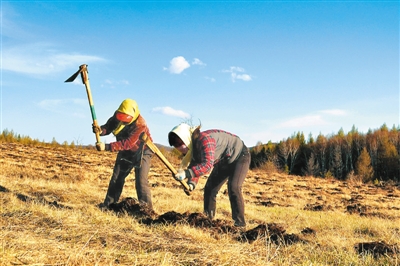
{"x": 181, "y": 175}
{"x": 100, "y": 146}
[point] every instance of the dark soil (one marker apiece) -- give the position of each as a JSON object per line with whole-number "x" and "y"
{"x": 376, "y": 249}
{"x": 132, "y": 207}
{"x": 272, "y": 232}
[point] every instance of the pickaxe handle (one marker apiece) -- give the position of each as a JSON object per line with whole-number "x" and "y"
{"x": 159, "y": 154}
{"x": 85, "y": 80}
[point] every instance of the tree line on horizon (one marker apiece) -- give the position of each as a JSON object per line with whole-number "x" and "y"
{"x": 10, "y": 136}
{"x": 371, "y": 156}
{"x": 374, "y": 156}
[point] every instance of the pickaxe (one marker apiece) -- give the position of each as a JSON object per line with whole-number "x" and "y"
{"x": 85, "y": 79}
{"x": 153, "y": 147}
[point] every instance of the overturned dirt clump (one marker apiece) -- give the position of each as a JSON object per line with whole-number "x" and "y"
{"x": 41, "y": 200}
{"x": 193, "y": 219}
{"x": 376, "y": 249}
{"x": 308, "y": 231}
{"x": 171, "y": 217}
{"x": 217, "y": 225}
{"x": 357, "y": 209}
{"x": 314, "y": 207}
{"x": 132, "y": 207}
{"x": 317, "y": 207}
{"x": 272, "y": 231}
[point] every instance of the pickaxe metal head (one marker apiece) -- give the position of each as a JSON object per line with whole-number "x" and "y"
{"x": 83, "y": 70}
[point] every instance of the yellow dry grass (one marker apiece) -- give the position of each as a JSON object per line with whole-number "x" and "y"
{"x": 48, "y": 216}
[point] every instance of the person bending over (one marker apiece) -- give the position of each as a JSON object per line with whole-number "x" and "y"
{"x": 218, "y": 151}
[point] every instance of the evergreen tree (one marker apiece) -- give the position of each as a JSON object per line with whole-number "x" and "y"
{"x": 363, "y": 166}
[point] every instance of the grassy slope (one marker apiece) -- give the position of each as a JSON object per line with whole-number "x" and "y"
{"x": 48, "y": 215}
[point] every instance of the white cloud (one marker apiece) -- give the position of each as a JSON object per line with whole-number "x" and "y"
{"x": 64, "y": 106}
{"x": 8, "y": 27}
{"x": 325, "y": 118}
{"x": 309, "y": 120}
{"x": 197, "y": 61}
{"x": 234, "y": 74}
{"x": 210, "y": 79}
{"x": 243, "y": 77}
{"x": 171, "y": 112}
{"x": 113, "y": 84}
{"x": 335, "y": 112}
{"x": 49, "y": 104}
{"x": 178, "y": 65}
{"x": 233, "y": 69}
{"x": 41, "y": 59}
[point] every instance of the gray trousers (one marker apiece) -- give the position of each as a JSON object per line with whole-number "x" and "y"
{"x": 235, "y": 173}
{"x": 123, "y": 166}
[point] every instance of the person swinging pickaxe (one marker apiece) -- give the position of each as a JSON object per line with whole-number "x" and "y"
{"x": 144, "y": 138}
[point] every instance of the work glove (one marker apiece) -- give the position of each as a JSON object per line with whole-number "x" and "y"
{"x": 100, "y": 146}
{"x": 191, "y": 188}
{"x": 181, "y": 175}
{"x": 96, "y": 129}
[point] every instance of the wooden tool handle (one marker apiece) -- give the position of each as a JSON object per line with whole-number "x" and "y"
{"x": 154, "y": 148}
{"x": 85, "y": 80}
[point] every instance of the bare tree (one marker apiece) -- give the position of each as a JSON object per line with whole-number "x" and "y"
{"x": 283, "y": 151}
{"x": 311, "y": 168}
{"x": 321, "y": 146}
{"x": 335, "y": 159}
{"x": 293, "y": 145}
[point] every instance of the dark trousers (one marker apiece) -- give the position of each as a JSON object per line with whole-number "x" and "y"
{"x": 123, "y": 166}
{"x": 235, "y": 173}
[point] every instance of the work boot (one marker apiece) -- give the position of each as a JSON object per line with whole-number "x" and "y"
{"x": 239, "y": 232}
{"x": 103, "y": 207}
{"x": 240, "y": 225}
{"x": 240, "y": 229}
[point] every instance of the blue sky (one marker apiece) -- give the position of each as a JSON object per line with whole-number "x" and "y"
{"x": 263, "y": 70}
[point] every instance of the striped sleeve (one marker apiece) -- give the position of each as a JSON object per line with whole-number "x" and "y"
{"x": 206, "y": 147}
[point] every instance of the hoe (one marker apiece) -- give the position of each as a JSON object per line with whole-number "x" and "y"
{"x": 85, "y": 79}
{"x": 159, "y": 154}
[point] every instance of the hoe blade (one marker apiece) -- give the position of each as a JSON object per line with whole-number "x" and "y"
{"x": 73, "y": 77}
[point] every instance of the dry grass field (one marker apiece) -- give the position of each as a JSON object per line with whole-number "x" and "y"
{"x": 49, "y": 216}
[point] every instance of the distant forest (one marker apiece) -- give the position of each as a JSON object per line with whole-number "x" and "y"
{"x": 374, "y": 156}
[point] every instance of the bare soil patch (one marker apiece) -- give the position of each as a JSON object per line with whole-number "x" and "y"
{"x": 377, "y": 248}
{"x": 274, "y": 232}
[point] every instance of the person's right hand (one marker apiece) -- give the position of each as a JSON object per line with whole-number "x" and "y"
{"x": 100, "y": 146}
